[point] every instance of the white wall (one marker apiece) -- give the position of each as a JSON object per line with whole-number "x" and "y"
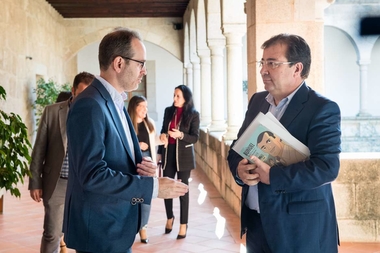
{"x": 169, "y": 74}
{"x": 88, "y": 59}
{"x": 341, "y": 72}
{"x": 374, "y": 80}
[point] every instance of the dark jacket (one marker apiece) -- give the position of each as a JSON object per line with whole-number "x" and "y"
{"x": 104, "y": 191}
{"x": 185, "y": 147}
{"x": 297, "y": 209}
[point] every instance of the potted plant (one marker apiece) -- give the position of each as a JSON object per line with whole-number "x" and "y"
{"x": 14, "y": 151}
{"x": 46, "y": 94}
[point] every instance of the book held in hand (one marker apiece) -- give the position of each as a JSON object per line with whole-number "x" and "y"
{"x": 267, "y": 139}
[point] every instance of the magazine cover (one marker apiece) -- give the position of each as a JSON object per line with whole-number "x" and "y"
{"x": 267, "y": 139}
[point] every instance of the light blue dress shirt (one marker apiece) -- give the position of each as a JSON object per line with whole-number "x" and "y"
{"x": 252, "y": 200}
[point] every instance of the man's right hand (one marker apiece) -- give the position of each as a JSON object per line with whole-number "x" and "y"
{"x": 246, "y": 172}
{"x": 36, "y": 195}
{"x": 169, "y": 188}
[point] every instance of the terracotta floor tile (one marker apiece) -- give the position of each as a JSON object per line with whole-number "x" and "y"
{"x": 213, "y": 226}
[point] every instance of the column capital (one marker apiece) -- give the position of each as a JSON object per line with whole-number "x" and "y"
{"x": 363, "y": 62}
{"x": 205, "y": 52}
{"x": 220, "y": 42}
{"x": 320, "y": 6}
{"x": 238, "y": 28}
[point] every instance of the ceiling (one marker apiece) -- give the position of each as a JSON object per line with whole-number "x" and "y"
{"x": 119, "y": 8}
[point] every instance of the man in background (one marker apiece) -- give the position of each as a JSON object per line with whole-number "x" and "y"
{"x": 49, "y": 166}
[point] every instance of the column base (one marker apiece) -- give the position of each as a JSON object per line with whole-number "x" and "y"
{"x": 217, "y": 127}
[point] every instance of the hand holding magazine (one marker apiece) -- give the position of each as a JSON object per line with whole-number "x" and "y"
{"x": 268, "y": 139}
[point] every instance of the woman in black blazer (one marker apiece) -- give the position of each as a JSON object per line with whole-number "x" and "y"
{"x": 180, "y": 130}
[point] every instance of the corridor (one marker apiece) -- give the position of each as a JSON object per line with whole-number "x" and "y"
{"x": 213, "y": 226}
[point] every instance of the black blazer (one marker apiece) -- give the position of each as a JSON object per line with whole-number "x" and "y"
{"x": 184, "y": 147}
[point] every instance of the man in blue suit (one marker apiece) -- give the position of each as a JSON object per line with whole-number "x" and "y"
{"x": 108, "y": 178}
{"x": 290, "y": 209}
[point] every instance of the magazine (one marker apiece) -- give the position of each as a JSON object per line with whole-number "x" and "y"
{"x": 268, "y": 139}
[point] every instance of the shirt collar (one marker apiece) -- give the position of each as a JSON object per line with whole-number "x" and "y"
{"x": 270, "y": 98}
{"x": 117, "y": 98}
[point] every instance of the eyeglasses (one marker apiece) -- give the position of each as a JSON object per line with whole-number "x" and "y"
{"x": 272, "y": 64}
{"x": 142, "y": 63}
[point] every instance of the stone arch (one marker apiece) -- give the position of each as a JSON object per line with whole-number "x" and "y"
{"x": 162, "y": 40}
{"x": 349, "y": 37}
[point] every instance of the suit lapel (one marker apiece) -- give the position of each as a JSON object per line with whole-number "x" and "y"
{"x": 295, "y": 106}
{"x": 115, "y": 116}
{"x": 136, "y": 145}
{"x": 264, "y": 106}
{"x": 62, "y": 115}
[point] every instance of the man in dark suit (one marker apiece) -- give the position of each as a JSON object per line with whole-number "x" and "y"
{"x": 109, "y": 179}
{"x": 49, "y": 166}
{"x": 291, "y": 208}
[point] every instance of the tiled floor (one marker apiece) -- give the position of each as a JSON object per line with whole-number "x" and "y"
{"x": 213, "y": 226}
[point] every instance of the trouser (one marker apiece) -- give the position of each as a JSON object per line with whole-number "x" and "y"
{"x": 145, "y": 209}
{"x": 53, "y": 219}
{"x": 170, "y": 171}
{"x": 145, "y": 213}
{"x": 255, "y": 237}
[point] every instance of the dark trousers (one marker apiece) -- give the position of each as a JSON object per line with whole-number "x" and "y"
{"x": 170, "y": 171}
{"x": 255, "y": 237}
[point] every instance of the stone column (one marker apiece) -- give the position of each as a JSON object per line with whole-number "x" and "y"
{"x": 363, "y": 68}
{"x": 217, "y": 86}
{"x": 304, "y": 18}
{"x": 205, "y": 87}
{"x": 189, "y": 76}
{"x": 197, "y": 85}
{"x": 234, "y": 35}
{"x": 184, "y": 75}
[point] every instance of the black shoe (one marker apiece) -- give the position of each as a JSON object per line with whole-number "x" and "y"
{"x": 168, "y": 230}
{"x": 144, "y": 240}
{"x": 143, "y": 235}
{"x": 182, "y": 236}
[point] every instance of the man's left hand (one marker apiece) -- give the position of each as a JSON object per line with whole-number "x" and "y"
{"x": 263, "y": 170}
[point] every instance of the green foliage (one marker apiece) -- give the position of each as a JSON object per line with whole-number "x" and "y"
{"x": 14, "y": 150}
{"x": 47, "y": 93}
{"x": 245, "y": 86}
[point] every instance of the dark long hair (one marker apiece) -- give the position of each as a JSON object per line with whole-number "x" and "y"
{"x": 188, "y": 107}
{"x": 132, "y": 105}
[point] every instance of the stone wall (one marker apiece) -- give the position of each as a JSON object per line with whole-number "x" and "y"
{"x": 36, "y": 41}
{"x": 356, "y": 189}
{"x": 32, "y": 39}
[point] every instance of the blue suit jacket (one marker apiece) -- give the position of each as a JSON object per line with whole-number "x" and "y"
{"x": 104, "y": 192}
{"x": 297, "y": 208}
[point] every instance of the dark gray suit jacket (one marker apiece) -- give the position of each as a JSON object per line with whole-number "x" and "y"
{"x": 49, "y": 149}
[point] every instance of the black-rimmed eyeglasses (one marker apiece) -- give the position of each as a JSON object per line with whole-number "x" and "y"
{"x": 272, "y": 64}
{"x": 142, "y": 63}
